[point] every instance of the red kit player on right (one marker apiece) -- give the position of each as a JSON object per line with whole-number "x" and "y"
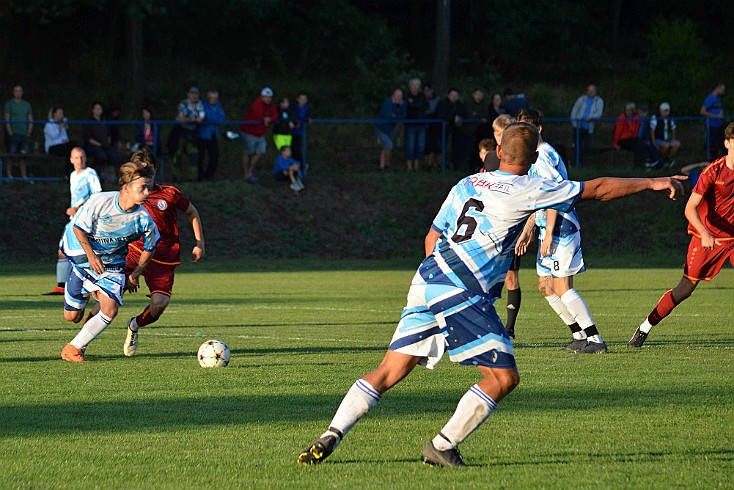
{"x": 710, "y": 213}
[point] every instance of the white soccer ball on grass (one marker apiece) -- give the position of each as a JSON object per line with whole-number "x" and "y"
{"x": 213, "y": 353}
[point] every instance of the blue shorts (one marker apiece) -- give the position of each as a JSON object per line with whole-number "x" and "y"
{"x": 252, "y": 144}
{"x": 385, "y": 140}
{"x": 439, "y": 318}
{"x": 19, "y": 143}
{"x": 82, "y": 281}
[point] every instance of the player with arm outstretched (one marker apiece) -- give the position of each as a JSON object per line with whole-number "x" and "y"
{"x": 97, "y": 244}
{"x": 163, "y": 204}
{"x": 83, "y": 182}
{"x": 559, "y": 251}
{"x": 450, "y": 304}
{"x": 710, "y": 214}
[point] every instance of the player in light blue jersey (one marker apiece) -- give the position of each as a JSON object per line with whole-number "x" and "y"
{"x": 559, "y": 251}
{"x": 83, "y": 182}
{"x": 450, "y": 301}
{"x": 96, "y": 244}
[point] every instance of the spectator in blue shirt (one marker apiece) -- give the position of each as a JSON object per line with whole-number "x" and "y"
{"x": 393, "y": 109}
{"x": 207, "y": 136}
{"x": 286, "y": 169}
{"x": 714, "y": 111}
{"x": 303, "y": 117}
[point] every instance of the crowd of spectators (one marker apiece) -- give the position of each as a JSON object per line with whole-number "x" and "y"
{"x": 651, "y": 138}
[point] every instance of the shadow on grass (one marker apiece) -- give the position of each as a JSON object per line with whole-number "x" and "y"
{"x": 71, "y": 416}
{"x": 575, "y": 458}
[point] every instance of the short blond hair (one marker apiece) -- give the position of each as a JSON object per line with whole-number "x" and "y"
{"x": 501, "y": 122}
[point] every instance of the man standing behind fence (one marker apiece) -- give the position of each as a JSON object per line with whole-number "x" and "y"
{"x": 587, "y": 108}
{"x": 263, "y": 112}
{"x": 207, "y": 137}
{"x": 714, "y": 111}
{"x": 19, "y": 132}
{"x": 393, "y": 108}
{"x": 415, "y": 133}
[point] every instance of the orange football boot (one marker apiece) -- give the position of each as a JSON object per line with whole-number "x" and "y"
{"x": 72, "y": 354}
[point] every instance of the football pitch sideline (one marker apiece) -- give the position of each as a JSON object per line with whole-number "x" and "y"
{"x": 656, "y": 417}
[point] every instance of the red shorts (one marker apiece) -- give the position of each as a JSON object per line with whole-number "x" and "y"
{"x": 703, "y": 264}
{"x": 158, "y": 277}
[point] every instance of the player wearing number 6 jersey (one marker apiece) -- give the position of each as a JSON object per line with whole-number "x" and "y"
{"x": 559, "y": 251}
{"x": 450, "y": 301}
{"x": 710, "y": 213}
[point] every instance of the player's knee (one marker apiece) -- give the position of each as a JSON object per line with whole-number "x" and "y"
{"x": 73, "y": 316}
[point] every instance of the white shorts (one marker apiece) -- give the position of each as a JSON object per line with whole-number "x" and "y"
{"x": 83, "y": 281}
{"x": 565, "y": 259}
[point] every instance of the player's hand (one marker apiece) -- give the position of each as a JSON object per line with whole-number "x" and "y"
{"x": 198, "y": 252}
{"x": 545, "y": 247}
{"x": 70, "y": 211}
{"x": 709, "y": 242}
{"x": 96, "y": 264}
{"x": 671, "y": 185}
{"x": 132, "y": 284}
{"x": 522, "y": 243}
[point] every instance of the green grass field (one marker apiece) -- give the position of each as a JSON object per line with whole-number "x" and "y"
{"x": 659, "y": 417}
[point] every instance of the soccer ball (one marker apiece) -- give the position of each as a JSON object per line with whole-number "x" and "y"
{"x": 213, "y": 353}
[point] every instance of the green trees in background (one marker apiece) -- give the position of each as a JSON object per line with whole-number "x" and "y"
{"x": 151, "y": 50}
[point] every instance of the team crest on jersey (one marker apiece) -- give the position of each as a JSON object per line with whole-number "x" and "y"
{"x": 161, "y": 204}
{"x": 105, "y": 219}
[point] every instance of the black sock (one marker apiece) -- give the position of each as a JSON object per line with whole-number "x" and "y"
{"x": 514, "y": 298}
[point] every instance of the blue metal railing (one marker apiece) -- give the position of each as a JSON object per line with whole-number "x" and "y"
{"x": 159, "y": 124}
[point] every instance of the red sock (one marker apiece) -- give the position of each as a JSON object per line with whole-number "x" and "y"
{"x": 145, "y": 318}
{"x": 663, "y": 308}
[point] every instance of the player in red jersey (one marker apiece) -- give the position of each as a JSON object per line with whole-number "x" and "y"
{"x": 163, "y": 204}
{"x": 710, "y": 213}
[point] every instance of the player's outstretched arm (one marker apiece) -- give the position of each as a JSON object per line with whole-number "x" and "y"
{"x": 193, "y": 215}
{"x": 608, "y": 188}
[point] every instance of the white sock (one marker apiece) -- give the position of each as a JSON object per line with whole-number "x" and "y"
{"x": 645, "y": 327}
{"x": 471, "y": 412}
{"x": 134, "y": 324}
{"x": 581, "y": 314}
{"x": 91, "y": 330}
{"x": 63, "y": 267}
{"x": 360, "y": 398}
{"x": 555, "y": 302}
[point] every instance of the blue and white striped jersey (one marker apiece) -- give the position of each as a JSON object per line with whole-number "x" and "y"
{"x": 82, "y": 185}
{"x": 549, "y": 165}
{"x": 480, "y": 221}
{"x": 109, "y": 230}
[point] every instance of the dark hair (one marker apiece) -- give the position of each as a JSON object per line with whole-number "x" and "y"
{"x": 716, "y": 85}
{"x": 530, "y": 115}
{"x": 284, "y": 147}
{"x": 144, "y": 155}
{"x": 302, "y": 93}
{"x": 729, "y": 131}
{"x": 96, "y": 102}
